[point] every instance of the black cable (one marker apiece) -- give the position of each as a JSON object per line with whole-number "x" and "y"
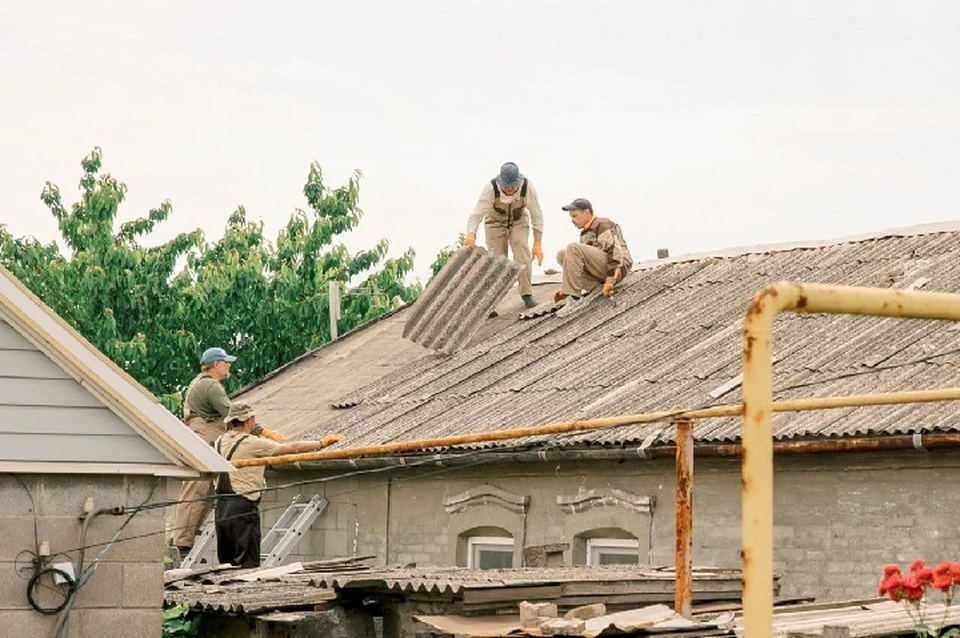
{"x": 35, "y": 581}
{"x": 428, "y": 460}
{"x": 33, "y": 509}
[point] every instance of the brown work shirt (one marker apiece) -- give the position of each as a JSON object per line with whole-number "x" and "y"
{"x": 246, "y": 481}
{"x": 606, "y": 235}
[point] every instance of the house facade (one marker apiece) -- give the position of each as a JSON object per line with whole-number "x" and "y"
{"x": 84, "y": 447}
{"x": 854, "y": 488}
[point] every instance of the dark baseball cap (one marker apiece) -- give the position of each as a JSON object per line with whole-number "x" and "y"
{"x": 579, "y": 204}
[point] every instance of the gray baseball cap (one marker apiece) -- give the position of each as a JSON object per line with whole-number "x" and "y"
{"x": 509, "y": 176}
{"x": 579, "y": 204}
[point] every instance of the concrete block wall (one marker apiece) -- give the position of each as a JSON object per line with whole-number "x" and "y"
{"x": 838, "y": 518}
{"x": 125, "y": 591}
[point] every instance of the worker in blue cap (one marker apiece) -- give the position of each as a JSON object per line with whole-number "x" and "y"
{"x": 205, "y": 406}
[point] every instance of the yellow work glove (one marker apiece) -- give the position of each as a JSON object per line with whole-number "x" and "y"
{"x": 330, "y": 439}
{"x": 470, "y": 240}
{"x": 273, "y": 435}
{"x": 558, "y": 296}
{"x": 607, "y": 289}
{"x": 537, "y": 253}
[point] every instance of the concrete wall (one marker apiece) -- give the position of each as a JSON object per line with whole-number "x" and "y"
{"x": 125, "y": 595}
{"x": 838, "y": 518}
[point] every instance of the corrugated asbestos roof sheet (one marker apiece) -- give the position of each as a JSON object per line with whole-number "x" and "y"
{"x": 668, "y": 338}
{"x": 455, "y": 304}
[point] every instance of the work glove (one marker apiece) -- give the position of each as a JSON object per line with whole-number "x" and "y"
{"x": 330, "y": 439}
{"x": 273, "y": 435}
{"x": 537, "y": 253}
{"x": 558, "y": 296}
{"x": 470, "y": 240}
{"x": 607, "y": 289}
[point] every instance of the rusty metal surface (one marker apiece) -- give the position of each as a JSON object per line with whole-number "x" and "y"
{"x": 645, "y": 350}
{"x": 459, "y": 299}
{"x": 758, "y": 437}
{"x": 683, "y": 595}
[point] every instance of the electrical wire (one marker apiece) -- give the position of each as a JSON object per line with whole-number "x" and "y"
{"x": 542, "y": 445}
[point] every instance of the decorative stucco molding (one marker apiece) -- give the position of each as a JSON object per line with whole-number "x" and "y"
{"x": 486, "y": 495}
{"x": 588, "y": 499}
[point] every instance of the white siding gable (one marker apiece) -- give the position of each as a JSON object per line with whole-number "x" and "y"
{"x": 46, "y": 416}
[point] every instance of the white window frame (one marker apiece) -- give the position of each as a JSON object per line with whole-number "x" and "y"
{"x": 620, "y": 546}
{"x": 477, "y": 544}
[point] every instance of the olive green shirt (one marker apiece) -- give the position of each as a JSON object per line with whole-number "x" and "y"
{"x": 206, "y": 398}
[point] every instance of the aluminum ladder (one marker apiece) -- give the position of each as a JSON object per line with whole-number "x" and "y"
{"x": 286, "y": 532}
{"x": 275, "y": 546}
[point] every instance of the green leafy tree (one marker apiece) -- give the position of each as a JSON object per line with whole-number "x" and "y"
{"x": 154, "y": 309}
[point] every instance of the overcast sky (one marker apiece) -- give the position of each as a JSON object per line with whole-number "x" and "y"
{"x": 695, "y": 125}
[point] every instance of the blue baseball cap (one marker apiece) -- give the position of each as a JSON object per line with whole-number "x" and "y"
{"x": 212, "y": 355}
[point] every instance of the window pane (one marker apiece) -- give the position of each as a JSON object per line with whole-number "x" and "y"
{"x": 494, "y": 559}
{"x": 618, "y": 559}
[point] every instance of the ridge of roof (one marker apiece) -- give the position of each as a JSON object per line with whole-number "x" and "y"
{"x": 930, "y": 228}
{"x": 115, "y": 388}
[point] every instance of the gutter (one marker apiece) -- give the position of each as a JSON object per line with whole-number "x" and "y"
{"x": 917, "y": 442}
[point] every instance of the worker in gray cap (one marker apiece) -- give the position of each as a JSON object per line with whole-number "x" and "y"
{"x": 600, "y": 259}
{"x": 508, "y": 207}
{"x": 205, "y": 404}
{"x": 237, "y": 517}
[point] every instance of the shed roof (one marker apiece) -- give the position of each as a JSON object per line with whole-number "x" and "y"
{"x": 172, "y": 449}
{"x": 670, "y": 337}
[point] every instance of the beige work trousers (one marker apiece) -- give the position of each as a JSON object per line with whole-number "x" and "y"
{"x": 517, "y": 237}
{"x": 196, "y": 497}
{"x": 584, "y": 268}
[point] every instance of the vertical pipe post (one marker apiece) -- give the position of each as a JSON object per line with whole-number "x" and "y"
{"x": 756, "y": 465}
{"x": 683, "y": 587}
{"x": 333, "y": 297}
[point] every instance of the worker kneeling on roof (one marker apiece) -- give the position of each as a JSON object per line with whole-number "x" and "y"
{"x": 238, "y": 494}
{"x": 508, "y": 206}
{"x": 600, "y": 258}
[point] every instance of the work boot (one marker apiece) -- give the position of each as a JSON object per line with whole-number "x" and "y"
{"x": 528, "y": 301}
{"x": 493, "y": 315}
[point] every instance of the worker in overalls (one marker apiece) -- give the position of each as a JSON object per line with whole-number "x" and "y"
{"x": 205, "y": 404}
{"x": 508, "y": 207}
{"x": 237, "y": 513}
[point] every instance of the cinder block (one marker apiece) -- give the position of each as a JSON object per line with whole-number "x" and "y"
{"x": 562, "y": 627}
{"x": 336, "y": 543}
{"x": 142, "y": 540}
{"x": 17, "y": 536}
{"x": 13, "y": 589}
{"x": 14, "y": 499}
{"x": 31, "y": 623}
{"x": 119, "y": 623}
{"x": 143, "y": 585}
{"x": 103, "y": 589}
{"x": 532, "y": 614}
{"x": 62, "y": 495}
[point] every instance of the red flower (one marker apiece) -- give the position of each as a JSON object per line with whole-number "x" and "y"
{"x": 917, "y": 564}
{"x": 912, "y": 588}
{"x": 942, "y": 577}
{"x": 955, "y": 572}
{"x": 924, "y": 575}
{"x": 892, "y": 568}
{"x": 892, "y": 586}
